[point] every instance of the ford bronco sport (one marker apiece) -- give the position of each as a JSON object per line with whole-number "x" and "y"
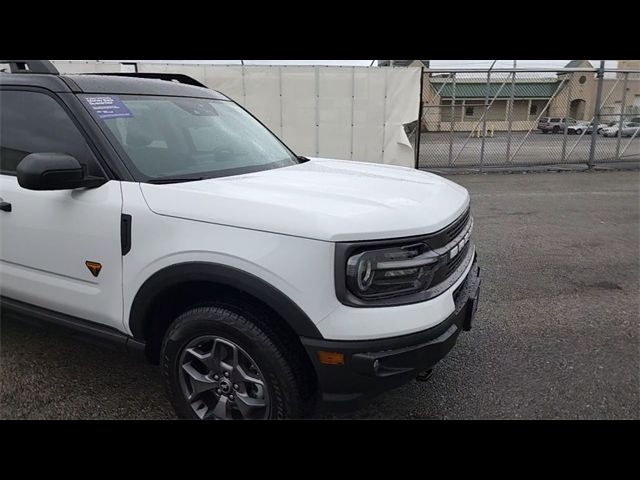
{"x": 158, "y": 215}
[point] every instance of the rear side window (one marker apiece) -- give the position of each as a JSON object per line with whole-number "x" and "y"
{"x": 32, "y": 122}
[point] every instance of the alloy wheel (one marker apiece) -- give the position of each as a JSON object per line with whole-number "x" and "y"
{"x": 221, "y": 381}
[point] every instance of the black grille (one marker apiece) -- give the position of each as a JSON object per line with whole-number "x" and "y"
{"x": 450, "y": 234}
{"x": 454, "y": 263}
{"x": 454, "y": 230}
{"x": 446, "y": 235}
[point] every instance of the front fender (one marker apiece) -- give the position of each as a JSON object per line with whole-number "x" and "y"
{"x": 223, "y": 275}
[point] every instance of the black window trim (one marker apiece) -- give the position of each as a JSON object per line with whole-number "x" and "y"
{"x": 100, "y": 161}
{"x": 111, "y": 157}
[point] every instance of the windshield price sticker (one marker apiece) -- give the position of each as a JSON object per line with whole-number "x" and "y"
{"x": 108, "y": 107}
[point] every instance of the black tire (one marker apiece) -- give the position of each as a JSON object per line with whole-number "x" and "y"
{"x": 556, "y": 129}
{"x": 281, "y": 367}
{"x": 578, "y": 131}
{"x": 544, "y": 131}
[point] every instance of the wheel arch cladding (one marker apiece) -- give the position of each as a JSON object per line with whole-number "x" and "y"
{"x": 224, "y": 276}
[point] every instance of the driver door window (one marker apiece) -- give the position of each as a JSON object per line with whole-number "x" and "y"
{"x": 35, "y": 122}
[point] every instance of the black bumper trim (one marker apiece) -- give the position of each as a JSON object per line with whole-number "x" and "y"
{"x": 373, "y": 366}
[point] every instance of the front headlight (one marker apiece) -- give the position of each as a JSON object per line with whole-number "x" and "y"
{"x": 388, "y": 272}
{"x": 382, "y": 273}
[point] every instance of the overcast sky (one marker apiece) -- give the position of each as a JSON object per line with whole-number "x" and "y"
{"x": 434, "y": 63}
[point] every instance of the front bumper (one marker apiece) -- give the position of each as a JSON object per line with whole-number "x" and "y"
{"x": 373, "y": 366}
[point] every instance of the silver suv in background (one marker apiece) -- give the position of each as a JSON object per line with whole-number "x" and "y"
{"x": 554, "y": 124}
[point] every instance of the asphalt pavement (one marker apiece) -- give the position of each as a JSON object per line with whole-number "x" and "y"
{"x": 556, "y": 336}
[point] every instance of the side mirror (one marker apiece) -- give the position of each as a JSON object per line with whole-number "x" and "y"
{"x": 54, "y": 171}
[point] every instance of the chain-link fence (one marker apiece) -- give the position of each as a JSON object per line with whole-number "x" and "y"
{"x": 507, "y": 118}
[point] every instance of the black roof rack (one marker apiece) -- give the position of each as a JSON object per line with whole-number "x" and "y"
{"x": 171, "y": 77}
{"x": 31, "y": 66}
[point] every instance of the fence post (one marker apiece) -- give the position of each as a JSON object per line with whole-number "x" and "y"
{"x": 484, "y": 121}
{"x": 452, "y": 121}
{"x": 510, "y": 106}
{"x": 623, "y": 106}
{"x": 420, "y": 113}
{"x": 567, "y": 112}
{"x": 596, "y": 116}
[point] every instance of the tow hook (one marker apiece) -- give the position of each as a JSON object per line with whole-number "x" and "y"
{"x": 425, "y": 375}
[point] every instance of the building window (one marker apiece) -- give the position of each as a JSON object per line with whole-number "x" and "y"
{"x": 533, "y": 110}
{"x": 468, "y": 111}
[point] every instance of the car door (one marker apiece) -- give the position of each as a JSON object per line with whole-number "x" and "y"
{"x": 59, "y": 250}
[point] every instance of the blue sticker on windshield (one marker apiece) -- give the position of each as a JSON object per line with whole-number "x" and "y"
{"x": 108, "y": 107}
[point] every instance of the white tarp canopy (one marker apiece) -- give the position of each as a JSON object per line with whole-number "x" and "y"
{"x": 350, "y": 113}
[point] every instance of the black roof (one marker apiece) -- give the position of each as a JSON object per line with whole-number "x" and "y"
{"x": 104, "y": 84}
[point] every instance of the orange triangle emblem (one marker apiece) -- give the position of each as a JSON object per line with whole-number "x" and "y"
{"x": 94, "y": 267}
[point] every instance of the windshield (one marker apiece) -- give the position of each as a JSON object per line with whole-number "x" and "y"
{"x": 172, "y": 139}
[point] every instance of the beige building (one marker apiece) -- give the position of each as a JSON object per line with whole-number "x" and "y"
{"x": 459, "y": 106}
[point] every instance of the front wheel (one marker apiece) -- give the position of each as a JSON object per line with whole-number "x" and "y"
{"x": 221, "y": 364}
{"x": 578, "y": 132}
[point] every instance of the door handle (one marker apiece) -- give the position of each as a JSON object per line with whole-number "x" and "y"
{"x": 5, "y": 206}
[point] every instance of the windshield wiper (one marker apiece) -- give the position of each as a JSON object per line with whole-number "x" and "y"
{"x": 167, "y": 180}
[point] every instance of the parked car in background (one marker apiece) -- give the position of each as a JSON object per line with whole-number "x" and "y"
{"x": 611, "y": 130}
{"x": 628, "y": 129}
{"x": 585, "y": 127}
{"x": 631, "y": 129}
{"x": 554, "y": 124}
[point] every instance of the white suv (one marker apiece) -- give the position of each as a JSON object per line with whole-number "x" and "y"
{"x": 162, "y": 217}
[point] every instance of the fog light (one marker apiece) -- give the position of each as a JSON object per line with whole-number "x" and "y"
{"x": 331, "y": 358}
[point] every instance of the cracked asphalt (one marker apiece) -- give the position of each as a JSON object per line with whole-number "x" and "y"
{"x": 556, "y": 336}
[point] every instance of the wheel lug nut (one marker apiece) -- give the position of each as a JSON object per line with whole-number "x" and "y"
{"x": 216, "y": 377}
{"x": 218, "y": 391}
{"x": 230, "y": 397}
{"x": 226, "y": 374}
{"x": 235, "y": 385}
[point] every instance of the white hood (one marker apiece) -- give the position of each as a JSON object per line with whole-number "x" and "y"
{"x": 331, "y": 200}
